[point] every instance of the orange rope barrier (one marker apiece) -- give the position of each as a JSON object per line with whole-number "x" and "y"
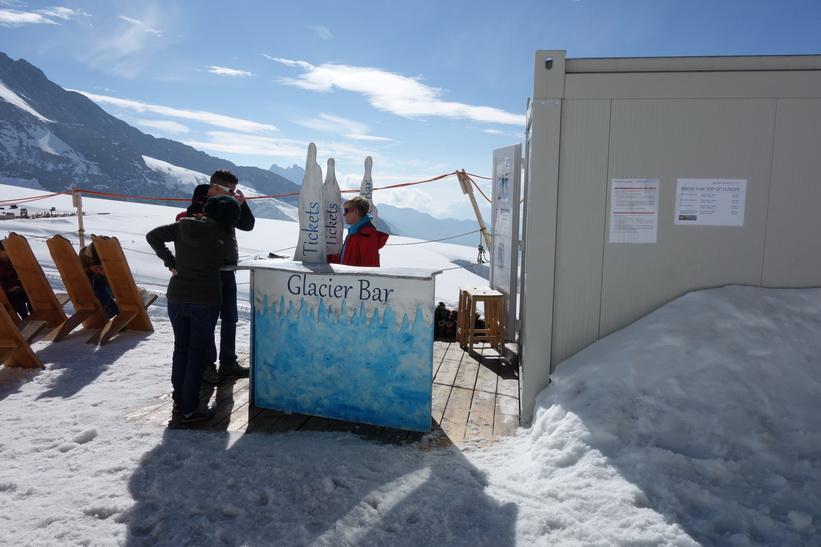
{"x": 90, "y": 192}
{"x": 440, "y": 177}
{"x": 478, "y": 176}
{"x": 473, "y": 182}
{"x": 26, "y": 200}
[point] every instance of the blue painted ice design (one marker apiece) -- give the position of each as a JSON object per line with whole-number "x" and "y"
{"x": 311, "y": 363}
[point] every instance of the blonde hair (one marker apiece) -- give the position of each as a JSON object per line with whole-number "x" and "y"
{"x": 361, "y": 204}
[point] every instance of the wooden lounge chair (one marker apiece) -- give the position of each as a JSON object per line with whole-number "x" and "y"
{"x": 87, "y": 309}
{"x": 44, "y": 303}
{"x": 15, "y": 350}
{"x": 129, "y": 299}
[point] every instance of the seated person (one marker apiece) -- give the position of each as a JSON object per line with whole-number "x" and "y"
{"x": 12, "y": 286}
{"x": 99, "y": 282}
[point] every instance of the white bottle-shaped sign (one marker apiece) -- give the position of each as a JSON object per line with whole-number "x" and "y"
{"x": 334, "y": 222}
{"x": 310, "y": 246}
{"x": 366, "y": 189}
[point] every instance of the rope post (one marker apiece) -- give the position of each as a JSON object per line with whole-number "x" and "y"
{"x": 467, "y": 188}
{"x": 77, "y": 200}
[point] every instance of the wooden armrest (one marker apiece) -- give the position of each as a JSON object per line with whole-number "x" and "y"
{"x": 147, "y": 298}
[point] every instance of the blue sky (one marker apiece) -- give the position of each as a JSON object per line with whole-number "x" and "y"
{"x": 423, "y": 87}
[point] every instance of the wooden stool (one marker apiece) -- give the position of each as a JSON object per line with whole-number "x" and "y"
{"x": 494, "y": 308}
{"x": 462, "y": 314}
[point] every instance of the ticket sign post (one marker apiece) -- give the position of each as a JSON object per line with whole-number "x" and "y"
{"x": 343, "y": 342}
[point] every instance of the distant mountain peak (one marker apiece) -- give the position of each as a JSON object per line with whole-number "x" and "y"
{"x": 295, "y": 173}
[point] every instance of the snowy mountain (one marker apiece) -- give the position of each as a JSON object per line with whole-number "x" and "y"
{"x": 53, "y": 139}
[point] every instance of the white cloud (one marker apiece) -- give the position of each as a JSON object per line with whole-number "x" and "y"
{"x": 218, "y": 120}
{"x": 322, "y": 32}
{"x": 288, "y": 62}
{"x": 511, "y": 134}
{"x": 331, "y": 123}
{"x": 126, "y": 45}
{"x": 61, "y": 13}
{"x": 367, "y": 137}
{"x": 345, "y": 152}
{"x": 343, "y": 126}
{"x": 285, "y": 151}
{"x": 223, "y": 71}
{"x": 167, "y": 126}
{"x": 16, "y": 18}
{"x": 391, "y": 92}
{"x": 141, "y": 25}
{"x": 10, "y": 18}
{"x": 412, "y": 196}
{"x": 242, "y": 143}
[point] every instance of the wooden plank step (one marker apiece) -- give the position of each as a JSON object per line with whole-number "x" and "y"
{"x": 458, "y": 413}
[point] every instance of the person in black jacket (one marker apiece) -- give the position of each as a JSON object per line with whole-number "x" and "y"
{"x": 202, "y": 245}
{"x": 10, "y": 283}
{"x": 223, "y": 182}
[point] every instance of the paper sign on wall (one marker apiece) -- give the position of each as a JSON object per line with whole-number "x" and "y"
{"x": 710, "y": 202}
{"x": 634, "y": 207}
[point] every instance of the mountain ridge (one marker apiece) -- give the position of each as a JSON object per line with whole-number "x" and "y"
{"x": 65, "y": 136}
{"x": 56, "y": 139}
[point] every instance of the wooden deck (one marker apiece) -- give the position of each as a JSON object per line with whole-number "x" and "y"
{"x": 475, "y": 398}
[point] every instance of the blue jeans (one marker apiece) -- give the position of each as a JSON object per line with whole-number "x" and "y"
{"x": 102, "y": 290}
{"x": 193, "y": 326}
{"x": 228, "y": 319}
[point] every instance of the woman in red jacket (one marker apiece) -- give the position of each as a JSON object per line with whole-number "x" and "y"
{"x": 361, "y": 246}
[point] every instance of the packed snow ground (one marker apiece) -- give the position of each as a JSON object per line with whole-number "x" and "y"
{"x": 698, "y": 424}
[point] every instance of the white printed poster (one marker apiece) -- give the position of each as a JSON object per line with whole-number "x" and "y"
{"x": 710, "y": 202}
{"x": 634, "y": 207}
{"x": 504, "y": 255}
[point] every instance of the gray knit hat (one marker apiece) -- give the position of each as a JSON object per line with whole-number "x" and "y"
{"x": 223, "y": 209}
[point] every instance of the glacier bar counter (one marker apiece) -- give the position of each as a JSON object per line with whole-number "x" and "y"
{"x": 342, "y": 342}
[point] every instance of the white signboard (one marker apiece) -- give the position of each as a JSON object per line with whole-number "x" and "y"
{"x": 504, "y": 267}
{"x": 711, "y": 202}
{"x": 634, "y": 208}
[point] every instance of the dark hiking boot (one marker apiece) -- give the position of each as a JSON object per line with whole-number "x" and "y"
{"x": 199, "y": 415}
{"x": 233, "y": 371}
{"x": 211, "y": 376}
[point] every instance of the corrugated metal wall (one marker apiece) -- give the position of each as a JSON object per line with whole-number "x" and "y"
{"x": 757, "y": 119}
